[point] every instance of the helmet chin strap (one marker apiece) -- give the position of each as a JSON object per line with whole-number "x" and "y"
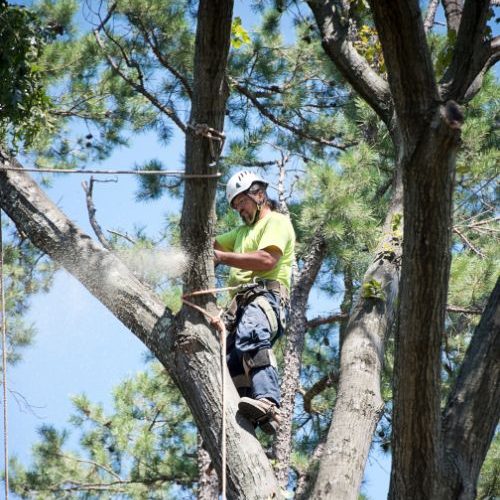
{"x": 257, "y": 212}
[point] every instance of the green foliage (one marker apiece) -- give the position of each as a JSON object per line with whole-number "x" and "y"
{"x": 145, "y": 448}
{"x": 23, "y": 100}
{"x": 489, "y": 479}
{"x": 372, "y": 289}
{"x": 26, "y": 272}
{"x": 239, "y": 35}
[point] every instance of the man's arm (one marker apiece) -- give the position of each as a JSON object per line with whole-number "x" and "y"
{"x": 261, "y": 260}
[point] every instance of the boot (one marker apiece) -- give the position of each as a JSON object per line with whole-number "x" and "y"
{"x": 262, "y": 412}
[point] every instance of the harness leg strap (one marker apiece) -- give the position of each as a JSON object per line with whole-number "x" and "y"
{"x": 261, "y": 358}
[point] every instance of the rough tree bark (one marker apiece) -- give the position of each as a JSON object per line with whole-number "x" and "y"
{"x": 471, "y": 413}
{"x": 293, "y": 354}
{"x": 359, "y": 402}
{"x": 424, "y": 123}
{"x": 430, "y": 131}
{"x": 185, "y": 345}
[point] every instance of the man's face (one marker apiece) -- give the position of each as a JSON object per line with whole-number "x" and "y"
{"x": 246, "y": 207}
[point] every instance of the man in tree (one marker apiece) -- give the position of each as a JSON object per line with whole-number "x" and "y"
{"x": 260, "y": 253}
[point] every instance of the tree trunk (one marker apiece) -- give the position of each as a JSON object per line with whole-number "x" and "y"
{"x": 428, "y": 183}
{"x": 359, "y": 402}
{"x": 473, "y": 409}
{"x": 293, "y": 355}
{"x": 185, "y": 345}
{"x": 208, "y": 483}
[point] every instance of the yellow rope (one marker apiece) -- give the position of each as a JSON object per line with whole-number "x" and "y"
{"x": 4, "y": 365}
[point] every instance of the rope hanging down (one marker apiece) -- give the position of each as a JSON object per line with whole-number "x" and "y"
{"x": 218, "y": 323}
{"x": 4, "y": 365}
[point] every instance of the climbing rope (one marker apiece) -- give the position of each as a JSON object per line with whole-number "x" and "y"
{"x": 4, "y": 366}
{"x": 217, "y": 322}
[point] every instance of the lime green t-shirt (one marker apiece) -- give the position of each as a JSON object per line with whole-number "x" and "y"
{"x": 274, "y": 229}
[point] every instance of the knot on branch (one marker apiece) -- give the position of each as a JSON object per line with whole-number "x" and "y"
{"x": 215, "y": 138}
{"x": 453, "y": 115}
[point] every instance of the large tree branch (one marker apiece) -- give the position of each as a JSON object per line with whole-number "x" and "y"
{"x": 332, "y": 19}
{"x": 453, "y": 13}
{"x": 359, "y": 401}
{"x": 295, "y": 345}
{"x": 184, "y": 345}
{"x": 101, "y": 272}
{"x": 409, "y": 66}
{"x": 473, "y": 408}
{"x": 472, "y": 53}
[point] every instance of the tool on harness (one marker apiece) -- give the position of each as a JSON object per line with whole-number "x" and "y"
{"x": 255, "y": 292}
{"x": 259, "y": 359}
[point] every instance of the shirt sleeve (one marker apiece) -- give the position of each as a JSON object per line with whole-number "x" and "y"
{"x": 226, "y": 240}
{"x": 276, "y": 234}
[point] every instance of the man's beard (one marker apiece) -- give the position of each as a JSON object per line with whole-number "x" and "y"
{"x": 248, "y": 219}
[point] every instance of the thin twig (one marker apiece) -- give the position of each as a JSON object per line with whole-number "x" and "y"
{"x": 265, "y": 112}
{"x": 139, "y": 87}
{"x": 126, "y": 236}
{"x": 468, "y": 243}
{"x": 88, "y": 188}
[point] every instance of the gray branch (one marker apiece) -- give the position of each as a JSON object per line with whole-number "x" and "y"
{"x": 430, "y": 15}
{"x": 332, "y": 20}
{"x": 88, "y": 188}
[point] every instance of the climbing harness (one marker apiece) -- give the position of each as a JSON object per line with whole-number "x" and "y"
{"x": 4, "y": 365}
{"x": 251, "y": 292}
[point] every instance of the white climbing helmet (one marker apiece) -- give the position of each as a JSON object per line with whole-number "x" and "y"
{"x": 241, "y": 182}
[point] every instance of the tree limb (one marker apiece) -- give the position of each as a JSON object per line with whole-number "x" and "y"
{"x": 317, "y": 388}
{"x": 409, "y": 66}
{"x": 88, "y": 188}
{"x": 326, "y": 320}
{"x": 284, "y": 124}
{"x": 463, "y": 310}
{"x": 152, "y": 41}
{"x": 139, "y": 87}
{"x": 332, "y": 19}
{"x": 472, "y": 53}
{"x": 473, "y": 408}
{"x": 468, "y": 243}
{"x": 453, "y": 13}
{"x": 430, "y": 14}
